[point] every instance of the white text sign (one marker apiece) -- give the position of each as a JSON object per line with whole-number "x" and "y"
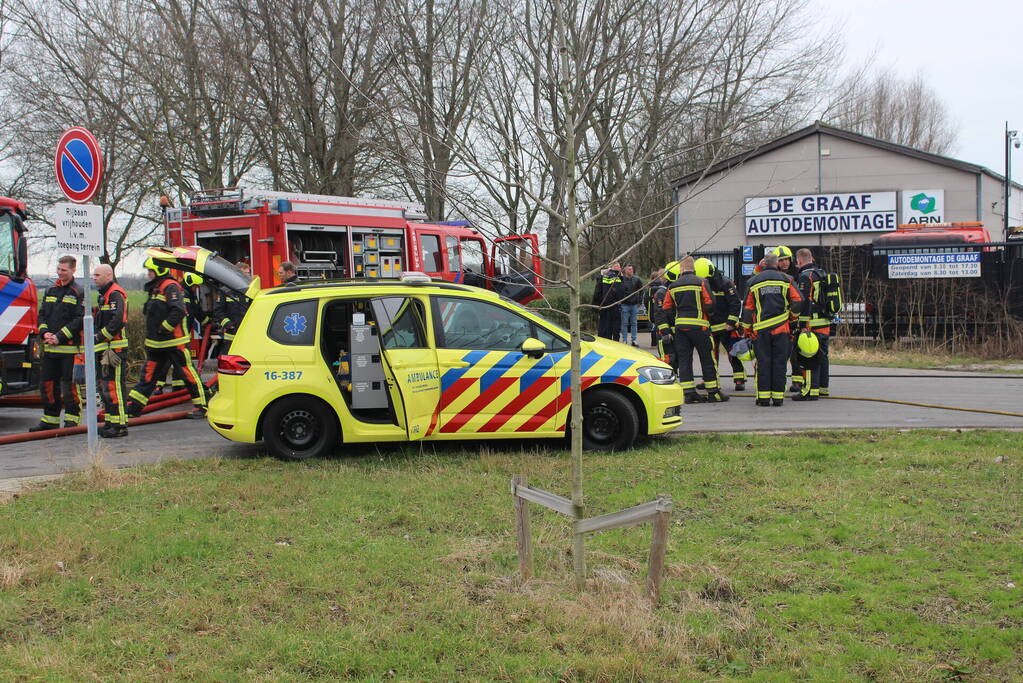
{"x": 79, "y": 228}
{"x": 821, "y": 213}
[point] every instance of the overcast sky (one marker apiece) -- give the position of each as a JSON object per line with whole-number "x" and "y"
{"x": 969, "y": 51}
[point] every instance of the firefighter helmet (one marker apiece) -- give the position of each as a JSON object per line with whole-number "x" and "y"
{"x": 808, "y": 344}
{"x": 704, "y": 267}
{"x": 158, "y": 269}
{"x": 781, "y": 252}
{"x": 672, "y": 271}
{"x": 193, "y": 279}
{"x": 742, "y": 350}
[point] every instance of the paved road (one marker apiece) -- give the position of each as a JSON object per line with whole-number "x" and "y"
{"x": 185, "y": 439}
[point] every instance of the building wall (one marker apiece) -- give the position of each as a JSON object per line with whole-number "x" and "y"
{"x": 711, "y": 219}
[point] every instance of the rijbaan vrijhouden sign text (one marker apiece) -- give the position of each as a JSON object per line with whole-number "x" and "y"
{"x": 817, "y": 213}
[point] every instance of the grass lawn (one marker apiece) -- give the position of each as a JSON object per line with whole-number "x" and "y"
{"x": 924, "y": 360}
{"x": 837, "y": 556}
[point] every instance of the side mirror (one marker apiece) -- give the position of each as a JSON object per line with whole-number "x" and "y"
{"x": 534, "y": 348}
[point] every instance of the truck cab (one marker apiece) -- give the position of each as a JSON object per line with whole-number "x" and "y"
{"x": 19, "y": 370}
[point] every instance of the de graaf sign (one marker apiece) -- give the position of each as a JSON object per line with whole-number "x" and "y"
{"x": 821, "y": 213}
{"x": 957, "y": 265}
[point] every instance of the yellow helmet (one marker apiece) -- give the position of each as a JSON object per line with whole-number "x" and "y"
{"x": 193, "y": 279}
{"x": 160, "y": 271}
{"x": 808, "y": 344}
{"x": 703, "y": 267}
{"x": 672, "y": 271}
{"x": 781, "y": 252}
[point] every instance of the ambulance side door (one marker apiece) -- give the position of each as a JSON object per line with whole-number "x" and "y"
{"x": 410, "y": 362}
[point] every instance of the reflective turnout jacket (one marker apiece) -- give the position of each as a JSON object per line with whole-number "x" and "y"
{"x": 809, "y": 282}
{"x": 62, "y": 313}
{"x": 164, "y": 312}
{"x": 726, "y": 303}
{"x": 690, "y": 298}
{"x": 111, "y": 317}
{"x": 772, "y": 300}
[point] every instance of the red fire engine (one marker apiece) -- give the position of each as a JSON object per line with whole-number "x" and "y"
{"x": 340, "y": 237}
{"x": 18, "y": 314}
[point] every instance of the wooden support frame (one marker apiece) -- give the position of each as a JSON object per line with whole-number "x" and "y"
{"x": 658, "y": 512}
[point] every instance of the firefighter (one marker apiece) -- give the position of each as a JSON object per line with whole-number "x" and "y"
{"x": 808, "y": 356}
{"x": 688, "y": 299}
{"x": 655, "y": 297}
{"x": 724, "y": 317}
{"x": 813, "y": 318}
{"x": 60, "y": 325}
{"x": 607, "y": 296}
{"x": 111, "y": 316}
{"x": 228, "y": 311}
{"x": 166, "y": 342}
{"x": 286, "y": 273}
{"x": 771, "y": 302}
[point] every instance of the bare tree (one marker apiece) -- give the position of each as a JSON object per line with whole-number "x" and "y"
{"x": 885, "y": 106}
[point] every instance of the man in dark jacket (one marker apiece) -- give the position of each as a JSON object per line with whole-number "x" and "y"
{"x": 607, "y": 296}
{"x": 60, "y": 326}
{"x": 688, "y": 299}
{"x": 166, "y": 342}
{"x": 286, "y": 273}
{"x": 632, "y": 290}
{"x": 111, "y": 317}
{"x": 772, "y": 302}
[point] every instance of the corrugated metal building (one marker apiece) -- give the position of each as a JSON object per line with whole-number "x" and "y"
{"x": 829, "y": 187}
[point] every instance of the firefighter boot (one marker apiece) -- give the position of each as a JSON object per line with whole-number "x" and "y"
{"x": 776, "y": 402}
{"x": 112, "y": 431}
{"x": 763, "y": 402}
{"x": 693, "y": 397}
{"x": 715, "y": 396}
{"x": 43, "y": 427}
{"x": 197, "y": 414}
{"x": 802, "y": 397}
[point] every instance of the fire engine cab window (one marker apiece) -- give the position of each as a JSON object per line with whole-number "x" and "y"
{"x": 400, "y": 321}
{"x": 471, "y": 324}
{"x": 472, "y": 255}
{"x": 454, "y": 260}
{"x": 294, "y": 323}
{"x": 7, "y": 263}
{"x": 431, "y": 253}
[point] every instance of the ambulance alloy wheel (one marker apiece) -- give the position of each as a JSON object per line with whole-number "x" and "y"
{"x": 610, "y": 422}
{"x": 299, "y": 427}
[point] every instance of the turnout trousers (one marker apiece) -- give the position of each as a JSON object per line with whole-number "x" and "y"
{"x": 688, "y": 339}
{"x": 609, "y": 323}
{"x": 815, "y": 380}
{"x": 723, "y": 340}
{"x": 58, "y": 391}
{"x": 772, "y": 351}
{"x": 112, "y": 389}
{"x": 158, "y": 361}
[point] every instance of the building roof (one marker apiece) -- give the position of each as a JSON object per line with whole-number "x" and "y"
{"x": 819, "y": 127}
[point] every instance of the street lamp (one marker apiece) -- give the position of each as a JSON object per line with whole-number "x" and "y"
{"x": 1011, "y": 140}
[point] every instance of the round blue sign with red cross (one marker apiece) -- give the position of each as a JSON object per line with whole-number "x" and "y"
{"x": 79, "y": 165}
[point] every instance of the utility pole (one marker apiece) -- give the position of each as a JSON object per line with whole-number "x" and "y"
{"x": 1010, "y": 141}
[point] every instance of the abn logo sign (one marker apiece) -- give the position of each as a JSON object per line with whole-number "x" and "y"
{"x": 920, "y": 207}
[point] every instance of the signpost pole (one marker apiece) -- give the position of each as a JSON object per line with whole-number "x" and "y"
{"x": 90, "y": 361}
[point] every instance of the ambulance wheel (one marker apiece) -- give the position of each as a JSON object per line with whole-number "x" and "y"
{"x": 610, "y": 422}
{"x": 297, "y": 428}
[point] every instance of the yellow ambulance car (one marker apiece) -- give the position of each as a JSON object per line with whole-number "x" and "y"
{"x": 320, "y": 363}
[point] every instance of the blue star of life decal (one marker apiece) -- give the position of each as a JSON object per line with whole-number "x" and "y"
{"x": 295, "y": 324}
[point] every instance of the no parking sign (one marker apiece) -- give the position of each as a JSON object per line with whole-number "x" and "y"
{"x": 78, "y": 164}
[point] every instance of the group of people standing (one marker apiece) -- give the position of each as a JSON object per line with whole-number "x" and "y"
{"x": 174, "y": 311}
{"x": 779, "y": 318}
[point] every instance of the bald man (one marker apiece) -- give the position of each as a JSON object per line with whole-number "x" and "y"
{"x": 111, "y": 316}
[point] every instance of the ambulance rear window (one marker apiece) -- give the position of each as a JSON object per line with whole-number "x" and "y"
{"x": 294, "y": 323}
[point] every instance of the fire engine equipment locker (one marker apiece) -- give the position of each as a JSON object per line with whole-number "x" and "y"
{"x": 369, "y": 386}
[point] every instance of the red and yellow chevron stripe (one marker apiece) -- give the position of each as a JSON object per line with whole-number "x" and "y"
{"x": 507, "y": 391}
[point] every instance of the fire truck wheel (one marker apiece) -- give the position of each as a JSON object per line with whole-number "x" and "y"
{"x": 610, "y": 422}
{"x": 299, "y": 427}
